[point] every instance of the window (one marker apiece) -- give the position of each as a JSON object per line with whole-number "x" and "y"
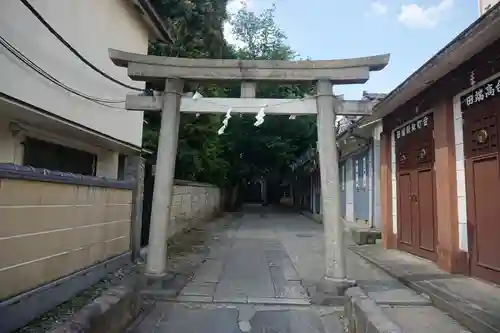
{"x": 50, "y": 156}
{"x": 122, "y": 165}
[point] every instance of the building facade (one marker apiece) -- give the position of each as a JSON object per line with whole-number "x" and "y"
{"x": 440, "y": 178}
{"x": 38, "y": 115}
{"x": 359, "y": 153}
{"x": 66, "y": 207}
{"x": 359, "y": 181}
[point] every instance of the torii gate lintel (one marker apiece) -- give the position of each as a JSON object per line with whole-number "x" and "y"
{"x": 275, "y": 106}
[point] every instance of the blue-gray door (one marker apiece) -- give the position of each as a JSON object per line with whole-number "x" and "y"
{"x": 342, "y": 181}
{"x": 361, "y": 186}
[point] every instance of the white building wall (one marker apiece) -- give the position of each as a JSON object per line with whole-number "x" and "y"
{"x": 375, "y": 197}
{"x": 107, "y": 164}
{"x": 460, "y": 162}
{"x": 11, "y": 148}
{"x": 91, "y": 27}
{"x": 484, "y": 5}
{"x": 349, "y": 188}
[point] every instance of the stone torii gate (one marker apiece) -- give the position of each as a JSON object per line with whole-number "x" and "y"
{"x": 170, "y": 74}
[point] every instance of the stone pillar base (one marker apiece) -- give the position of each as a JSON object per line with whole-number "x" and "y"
{"x": 335, "y": 287}
{"x": 149, "y": 281}
{"x": 161, "y": 287}
{"x": 331, "y": 291}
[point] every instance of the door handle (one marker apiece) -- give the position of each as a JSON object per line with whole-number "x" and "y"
{"x": 413, "y": 197}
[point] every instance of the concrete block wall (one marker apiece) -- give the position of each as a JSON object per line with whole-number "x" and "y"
{"x": 191, "y": 203}
{"x": 49, "y": 230}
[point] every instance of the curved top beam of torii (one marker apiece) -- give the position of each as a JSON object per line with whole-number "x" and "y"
{"x": 342, "y": 71}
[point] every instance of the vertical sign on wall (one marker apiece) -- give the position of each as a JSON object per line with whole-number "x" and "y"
{"x": 364, "y": 172}
{"x": 356, "y": 173}
{"x": 342, "y": 177}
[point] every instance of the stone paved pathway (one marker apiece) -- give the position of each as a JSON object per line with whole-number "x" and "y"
{"x": 249, "y": 283}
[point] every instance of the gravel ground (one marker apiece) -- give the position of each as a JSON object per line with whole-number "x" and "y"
{"x": 64, "y": 311}
{"x": 180, "y": 248}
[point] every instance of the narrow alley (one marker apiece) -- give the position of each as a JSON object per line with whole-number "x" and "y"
{"x": 261, "y": 277}
{"x": 255, "y": 280}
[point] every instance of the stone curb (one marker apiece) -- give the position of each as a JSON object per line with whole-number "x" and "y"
{"x": 362, "y": 314}
{"x": 458, "y": 309}
{"x": 111, "y": 313}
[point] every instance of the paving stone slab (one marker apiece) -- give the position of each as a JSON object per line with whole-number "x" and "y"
{"x": 210, "y": 271}
{"x": 193, "y": 298}
{"x": 231, "y": 299}
{"x": 184, "y": 319}
{"x": 246, "y": 312}
{"x": 284, "y": 288}
{"x": 199, "y": 289}
{"x": 286, "y": 321}
{"x": 291, "y": 289}
{"x": 285, "y": 301}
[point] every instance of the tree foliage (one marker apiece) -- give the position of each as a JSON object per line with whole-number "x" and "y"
{"x": 268, "y": 150}
{"x": 244, "y": 152}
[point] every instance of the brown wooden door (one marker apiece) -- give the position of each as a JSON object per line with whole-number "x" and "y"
{"x": 482, "y": 174}
{"x": 416, "y": 191}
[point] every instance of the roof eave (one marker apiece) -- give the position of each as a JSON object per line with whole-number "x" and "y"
{"x": 469, "y": 42}
{"x": 153, "y": 20}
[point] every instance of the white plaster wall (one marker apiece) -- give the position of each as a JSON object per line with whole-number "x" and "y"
{"x": 349, "y": 194}
{"x": 11, "y": 149}
{"x": 91, "y": 27}
{"x": 376, "y": 204}
{"x": 107, "y": 164}
{"x": 460, "y": 160}
{"x": 394, "y": 187}
{"x": 369, "y": 172}
{"x": 484, "y": 4}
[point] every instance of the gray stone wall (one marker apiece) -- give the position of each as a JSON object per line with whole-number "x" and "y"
{"x": 191, "y": 203}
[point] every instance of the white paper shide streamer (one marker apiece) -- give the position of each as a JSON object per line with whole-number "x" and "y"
{"x": 260, "y": 116}
{"x": 197, "y": 95}
{"x": 225, "y": 122}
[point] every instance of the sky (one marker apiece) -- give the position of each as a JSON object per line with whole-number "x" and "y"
{"x": 412, "y": 31}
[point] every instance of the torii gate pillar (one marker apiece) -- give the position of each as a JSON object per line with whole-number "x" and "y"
{"x": 164, "y": 178}
{"x": 335, "y": 280}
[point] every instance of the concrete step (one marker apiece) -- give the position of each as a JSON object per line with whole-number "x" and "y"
{"x": 364, "y": 314}
{"x": 472, "y": 303}
{"x": 422, "y": 319}
{"x": 365, "y": 236}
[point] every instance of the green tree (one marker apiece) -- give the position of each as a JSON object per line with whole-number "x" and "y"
{"x": 196, "y": 28}
{"x": 244, "y": 152}
{"x": 268, "y": 150}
